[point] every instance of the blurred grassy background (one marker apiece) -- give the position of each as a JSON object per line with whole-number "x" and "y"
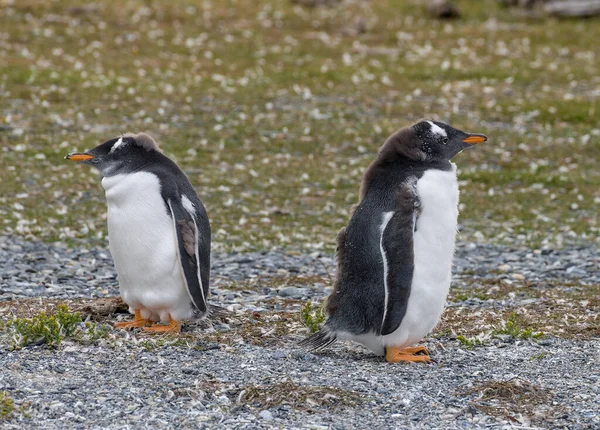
{"x": 275, "y": 110}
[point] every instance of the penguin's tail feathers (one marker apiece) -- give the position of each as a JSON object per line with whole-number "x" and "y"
{"x": 320, "y": 340}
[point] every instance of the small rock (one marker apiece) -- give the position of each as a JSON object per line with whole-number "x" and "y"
{"x": 294, "y": 292}
{"x": 443, "y": 9}
{"x": 504, "y": 337}
{"x": 358, "y": 26}
{"x": 266, "y": 415}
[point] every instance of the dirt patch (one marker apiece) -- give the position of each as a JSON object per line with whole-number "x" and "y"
{"x": 299, "y": 397}
{"x": 512, "y": 398}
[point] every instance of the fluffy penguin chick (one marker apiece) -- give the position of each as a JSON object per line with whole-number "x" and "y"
{"x": 394, "y": 258}
{"x": 158, "y": 232}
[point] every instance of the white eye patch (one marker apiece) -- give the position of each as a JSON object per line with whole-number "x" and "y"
{"x": 116, "y": 146}
{"x": 437, "y": 130}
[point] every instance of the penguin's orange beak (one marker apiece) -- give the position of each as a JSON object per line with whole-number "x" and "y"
{"x": 79, "y": 156}
{"x": 473, "y": 139}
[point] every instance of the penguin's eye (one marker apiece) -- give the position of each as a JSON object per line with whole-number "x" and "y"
{"x": 445, "y": 140}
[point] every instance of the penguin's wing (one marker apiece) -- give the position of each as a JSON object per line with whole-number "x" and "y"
{"x": 189, "y": 250}
{"x": 397, "y": 249}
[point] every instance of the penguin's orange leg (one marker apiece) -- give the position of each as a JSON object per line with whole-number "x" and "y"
{"x": 397, "y": 355}
{"x": 137, "y": 322}
{"x": 173, "y": 327}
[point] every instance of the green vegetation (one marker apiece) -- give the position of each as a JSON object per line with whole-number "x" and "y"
{"x": 91, "y": 332}
{"x": 7, "y": 405}
{"x": 312, "y": 317}
{"x": 50, "y": 330}
{"x": 44, "y": 328}
{"x": 468, "y": 343}
{"x": 514, "y": 327}
{"x": 274, "y": 111}
{"x": 461, "y": 297}
{"x": 562, "y": 309}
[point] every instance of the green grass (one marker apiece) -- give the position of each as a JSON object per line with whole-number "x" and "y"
{"x": 52, "y": 329}
{"x": 274, "y": 113}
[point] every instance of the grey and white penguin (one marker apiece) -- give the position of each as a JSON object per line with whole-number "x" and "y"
{"x": 158, "y": 231}
{"x": 394, "y": 258}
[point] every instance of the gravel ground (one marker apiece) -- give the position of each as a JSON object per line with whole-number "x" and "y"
{"x": 125, "y": 382}
{"x": 33, "y": 269}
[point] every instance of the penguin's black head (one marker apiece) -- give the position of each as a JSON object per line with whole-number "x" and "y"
{"x": 430, "y": 141}
{"x": 439, "y": 141}
{"x": 124, "y": 154}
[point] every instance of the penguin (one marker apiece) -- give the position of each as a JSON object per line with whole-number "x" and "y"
{"x": 394, "y": 258}
{"x": 158, "y": 231}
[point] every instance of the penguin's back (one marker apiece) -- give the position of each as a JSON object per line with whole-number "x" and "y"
{"x": 360, "y": 295}
{"x": 358, "y": 305}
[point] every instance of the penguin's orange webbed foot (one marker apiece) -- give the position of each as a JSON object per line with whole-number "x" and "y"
{"x": 415, "y": 350}
{"x": 398, "y": 355}
{"x": 137, "y": 322}
{"x": 173, "y": 327}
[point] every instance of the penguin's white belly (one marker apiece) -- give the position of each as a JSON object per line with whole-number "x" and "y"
{"x": 143, "y": 245}
{"x": 434, "y": 243}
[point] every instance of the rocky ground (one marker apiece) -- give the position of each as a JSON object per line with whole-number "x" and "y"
{"x": 243, "y": 370}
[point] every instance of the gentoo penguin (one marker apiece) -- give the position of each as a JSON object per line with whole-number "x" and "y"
{"x": 394, "y": 258}
{"x": 158, "y": 232}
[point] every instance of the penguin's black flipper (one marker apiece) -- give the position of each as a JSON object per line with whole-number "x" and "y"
{"x": 398, "y": 244}
{"x": 188, "y": 239}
